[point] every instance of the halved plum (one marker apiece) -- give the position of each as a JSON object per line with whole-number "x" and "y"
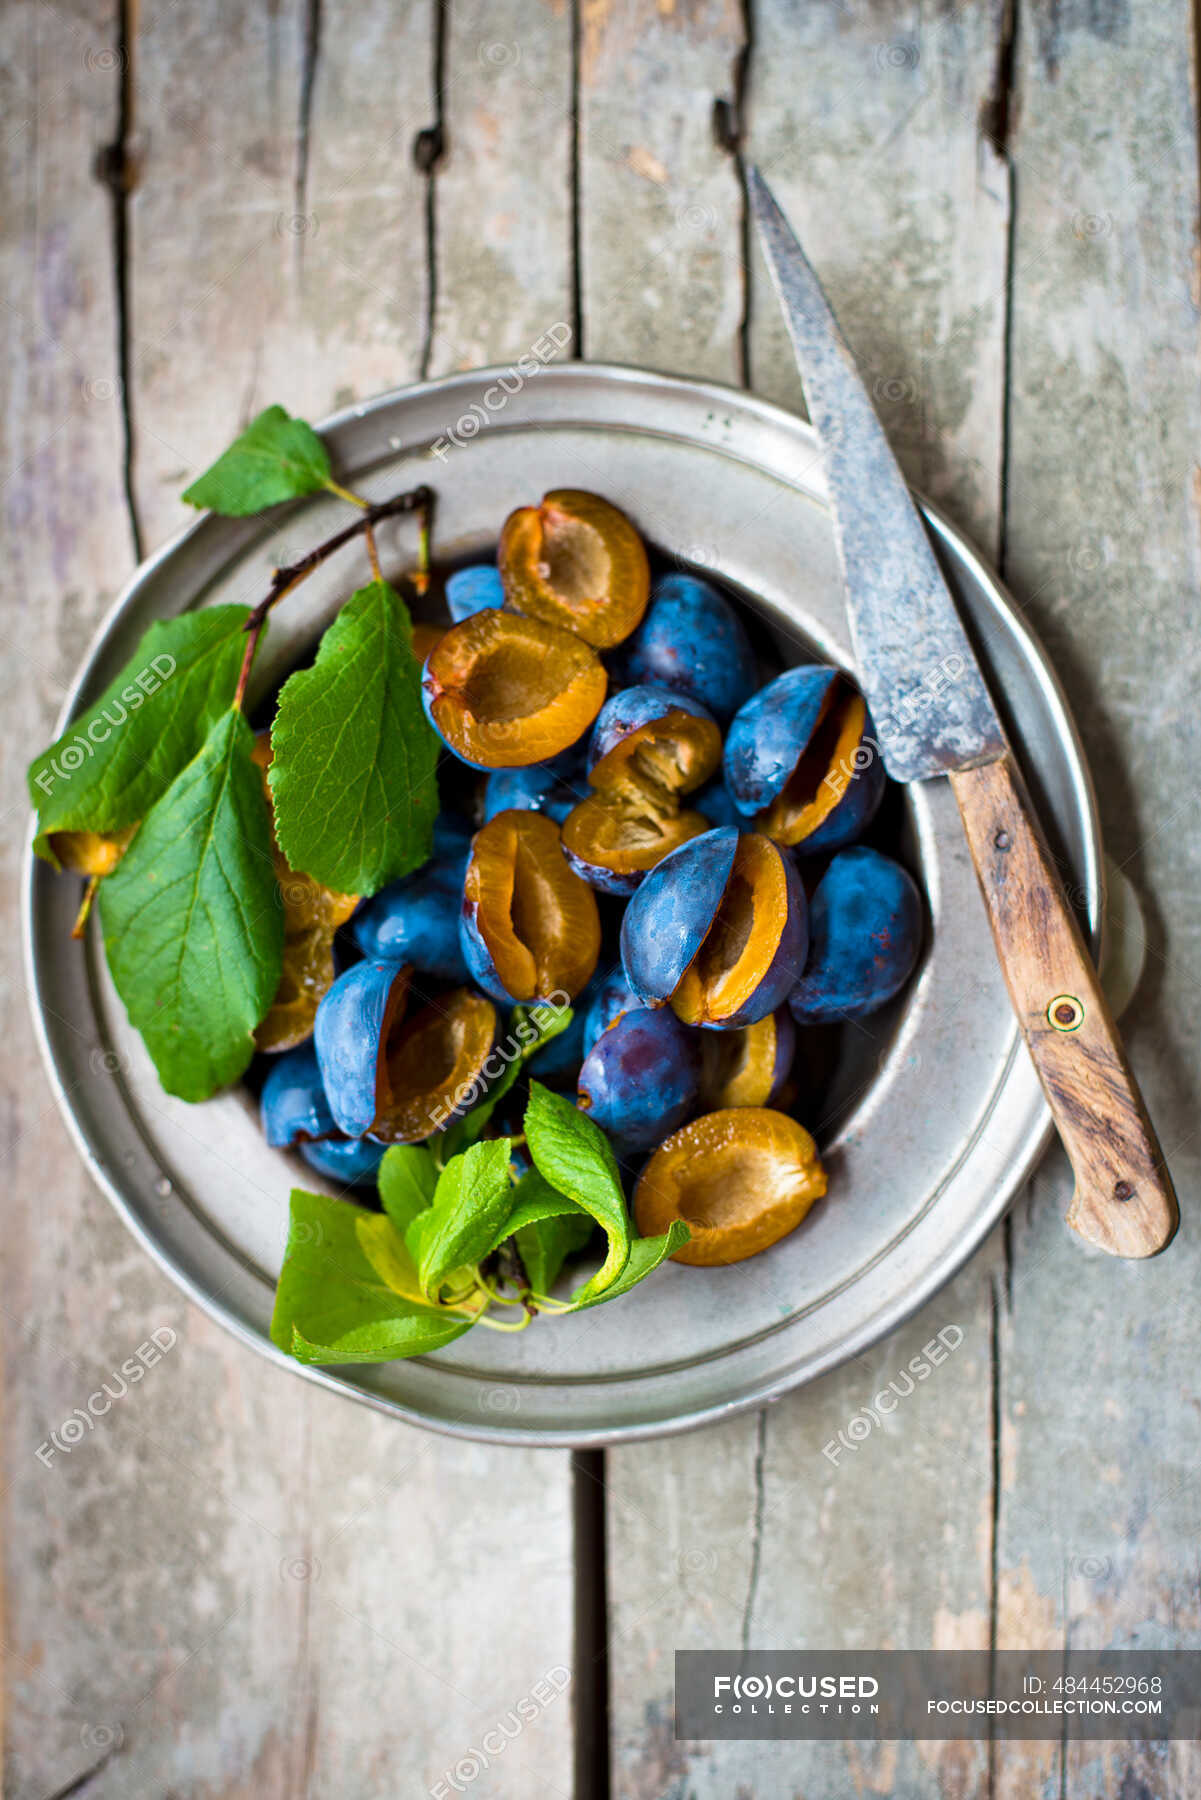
{"x": 801, "y": 759}
{"x": 749, "y": 1067}
{"x": 395, "y": 1076}
{"x": 503, "y": 691}
{"x": 719, "y": 929}
{"x": 741, "y": 1179}
{"x": 649, "y": 747}
{"x": 530, "y": 928}
{"x": 312, "y": 917}
{"x": 576, "y": 561}
{"x": 433, "y": 1066}
{"x": 354, "y": 1020}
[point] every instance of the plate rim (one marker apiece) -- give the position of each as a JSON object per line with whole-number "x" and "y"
{"x": 887, "y": 1317}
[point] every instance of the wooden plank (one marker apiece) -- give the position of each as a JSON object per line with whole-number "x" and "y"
{"x": 1100, "y": 1360}
{"x": 659, "y": 231}
{"x": 503, "y": 213}
{"x": 68, "y": 546}
{"x": 280, "y": 1593}
{"x": 753, "y": 1534}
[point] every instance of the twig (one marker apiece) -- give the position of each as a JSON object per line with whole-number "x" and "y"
{"x": 419, "y": 500}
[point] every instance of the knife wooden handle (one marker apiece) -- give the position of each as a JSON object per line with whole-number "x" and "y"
{"x": 1124, "y": 1200}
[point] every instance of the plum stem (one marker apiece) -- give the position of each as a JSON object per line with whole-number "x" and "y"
{"x": 85, "y": 906}
{"x": 419, "y": 500}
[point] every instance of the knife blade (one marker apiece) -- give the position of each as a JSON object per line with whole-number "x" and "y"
{"x": 933, "y": 715}
{"x": 930, "y": 706}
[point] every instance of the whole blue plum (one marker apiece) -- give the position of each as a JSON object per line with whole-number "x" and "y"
{"x": 865, "y": 937}
{"x": 668, "y": 917}
{"x": 472, "y": 590}
{"x": 801, "y": 758}
{"x": 352, "y": 1161}
{"x": 293, "y": 1105}
{"x": 551, "y": 787}
{"x": 716, "y": 802}
{"x": 352, "y": 1024}
{"x": 605, "y": 997}
{"x": 641, "y": 1078}
{"x": 692, "y": 640}
{"x": 452, "y": 837}
{"x": 416, "y": 920}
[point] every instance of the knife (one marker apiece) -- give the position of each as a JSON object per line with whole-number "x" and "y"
{"x": 934, "y": 716}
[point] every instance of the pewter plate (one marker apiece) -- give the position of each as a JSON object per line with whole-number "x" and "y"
{"x": 931, "y": 1117}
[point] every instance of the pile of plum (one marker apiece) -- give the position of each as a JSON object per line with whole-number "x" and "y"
{"x": 694, "y": 897}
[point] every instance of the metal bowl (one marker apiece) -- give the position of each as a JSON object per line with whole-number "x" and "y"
{"x": 934, "y": 1117}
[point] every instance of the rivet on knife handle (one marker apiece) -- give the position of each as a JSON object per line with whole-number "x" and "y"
{"x": 1124, "y": 1200}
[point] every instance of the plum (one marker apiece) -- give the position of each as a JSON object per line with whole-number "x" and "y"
{"x": 692, "y": 640}
{"x": 529, "y": 927}
{"x": 801, "y": 760}
{"x": 719, "y": 929}
{"x": 416, "y": 920}
{"x": 741, "y": 1179}
{"x": 716, "y": 802}
{"x": 503, "y": 691}
{"x": 551, "y": 787}
{"x": 749, "y": 1067}
{"x": 313, "y": 915}
{"x": 641, "y": 1077}
{"x": 866, "y": 934}
{"x": 575, "y": 561}
{"x": 649, "y": 747}
{"x": 393, "y": 1075}
{"x": 354, "y": 1020}
{"x": 604, "y": 1000}
{"x": 293, "y": 1105}
{"x": 352, "y": 1161}
{"x": 471, "y": 590}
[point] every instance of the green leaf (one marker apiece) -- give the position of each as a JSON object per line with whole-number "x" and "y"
{"x": 545, "y": 1244}
{"x": 353, "y": 771}
{"x": 115, "y": 760}
{"x": 276, "y": 458}
{"x": 531, "y": 1028}
{"x": 531, "y": 1200}
{"x": 574, "y": 1156}
{"x": 645, "y": 1256}
{"x": 330, "y": 1305}
{"x": 471, "y": 1202}
{"x": 407, "y": 1178}
{"x": 192, "y": 924}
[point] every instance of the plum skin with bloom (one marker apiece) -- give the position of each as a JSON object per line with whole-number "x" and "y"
{"x": 641, "y": 1078}
{"x": 810, "y": 711}
{"x": 693, "y": 641}
{"x": 293, "y": 1105}
{"x": 473, "y": 589}
{"x": 725, "y": 904}
{"x": 353, "y": 1021}
{"x": 354, "y": 1162}
{"x": 866, "y": 927}
{"x": 416, "y": 920}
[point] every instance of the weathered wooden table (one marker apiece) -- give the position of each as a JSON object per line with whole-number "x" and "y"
{"x": 242, "y": 1586}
